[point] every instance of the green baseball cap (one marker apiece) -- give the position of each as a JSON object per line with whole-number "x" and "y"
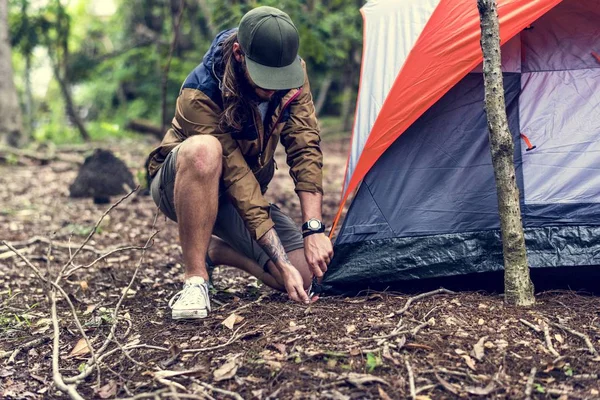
{"x": 270, "y": 42}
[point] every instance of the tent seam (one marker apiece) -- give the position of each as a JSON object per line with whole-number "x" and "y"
{"x": 379, "y": 208}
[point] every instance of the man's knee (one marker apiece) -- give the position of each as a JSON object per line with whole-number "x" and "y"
{"x": 201, "y": 155}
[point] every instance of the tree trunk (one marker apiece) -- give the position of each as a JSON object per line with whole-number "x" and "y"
{"x": 323, "y": 90}
{"x": 11, "y": 119}
{"x": 146, "y": 127}
{"x": 207, "y": 15}
{"x": 28, "y": 95}
{"x": 518, "y": 289}
{"x": 70, "y": 105}
{"x": 346, "y": 107}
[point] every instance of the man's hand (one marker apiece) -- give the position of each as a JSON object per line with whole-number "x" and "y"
{"x": 292, "y": 279}
{"x": 294, "y": 286}
{"x": 318, "y": 252}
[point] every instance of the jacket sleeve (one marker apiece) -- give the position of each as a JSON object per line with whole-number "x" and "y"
{"x": 198, "y": 115}
{"x": 301, "y": 139}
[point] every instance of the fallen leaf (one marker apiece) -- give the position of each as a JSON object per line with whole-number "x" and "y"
{"x": 233, "y": 319}
{"x": 254, "y": 379}
{"x": 479, "y": 349}
{"x": 350, "y": 328}
{"x": 227, "y": 370}
{"x": 90, "y": 308}
{"x": 559, "y": 338}
{"x": 360, "y": 379}
{"x": 478, "y": 391}
{"x": 469, "y": 361}
{"x": 275, "y": 365}
{"x": 108, "y": 390}
{"x": 280, "y": 347}
{"x": 400, "y": 342}
{"x": 295, "y": 327}
{"x": 162, "y": 375}
{"x": 383, "y": 394}
{"x": 130, "y": 292}
{"x": 460, "y": 352}
{"x": 418, "y": 346}
{"x": 81, "y": 348}
{"x": 447, "y": 385}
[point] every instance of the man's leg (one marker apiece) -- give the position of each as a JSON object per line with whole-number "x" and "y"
{"x": 187, "y": 190}
{"x": 196, "y": 198}
{"x": 221, "y": 253}
{"x": 233, "y": 245}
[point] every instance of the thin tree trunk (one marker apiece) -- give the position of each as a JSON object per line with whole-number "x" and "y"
{"x": 28, "y": 96}
{"x": 165, "y": 77}
{"x": 346, "y": 114}
{"x": 11, "y": 119}
{"x": 207, "y": 15}
{"x": 70, "y": 105}
{"x": 323, "y": 90}
{"x": 518, "y": 289}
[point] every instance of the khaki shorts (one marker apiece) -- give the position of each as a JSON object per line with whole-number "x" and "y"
{"x": 229, "y": 226}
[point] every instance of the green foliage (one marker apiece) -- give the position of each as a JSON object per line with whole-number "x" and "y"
{"x": 114, "y": 64}
{"x": 539, "y": 388}
{"x": 373, "y": 361}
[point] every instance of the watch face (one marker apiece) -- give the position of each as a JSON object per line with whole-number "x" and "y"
{"x": 314, "y": 224}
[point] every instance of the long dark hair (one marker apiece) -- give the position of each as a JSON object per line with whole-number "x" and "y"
{"x": 238, "y": 96}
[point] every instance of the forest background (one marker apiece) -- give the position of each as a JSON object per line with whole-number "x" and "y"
{"x": 97, "y": 69}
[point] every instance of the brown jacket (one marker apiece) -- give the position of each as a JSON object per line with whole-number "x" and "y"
{"x": 248, "y": 165}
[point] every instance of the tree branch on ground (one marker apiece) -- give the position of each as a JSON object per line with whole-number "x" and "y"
{"x": 52, "y": 287}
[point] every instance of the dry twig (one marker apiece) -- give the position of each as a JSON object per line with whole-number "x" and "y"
{"x": 529, "y": 386}
{"x": 93, "y": 231}
{"x": 234, "y": 337}
{"x": 422, "y": 325}
{"x": 411, "y": 379}
{"x": 220, "y": 391}
{"x": 419, "y": 297}
{"x": 583, "y": 336}
{"x": 549, "y": 340}
{"x": 532, "y": 326}
{"x": 26, "y": 346}
{"x": 69, "y": 385}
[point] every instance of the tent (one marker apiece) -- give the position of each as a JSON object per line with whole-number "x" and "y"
{"x": 419, "y": 172}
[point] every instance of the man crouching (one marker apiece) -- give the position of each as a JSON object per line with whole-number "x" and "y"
{"x": 213, "y": 166}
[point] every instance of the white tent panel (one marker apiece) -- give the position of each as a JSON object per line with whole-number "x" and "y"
{"x": 559, "y": 114}
{"x": 391, "y": 29}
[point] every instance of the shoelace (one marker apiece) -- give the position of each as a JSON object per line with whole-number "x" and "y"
{"x": 188, "y": 295}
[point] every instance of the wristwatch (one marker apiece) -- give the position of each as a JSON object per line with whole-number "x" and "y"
{"x": 312, "y": 226}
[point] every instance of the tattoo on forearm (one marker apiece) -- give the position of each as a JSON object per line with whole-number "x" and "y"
{"x": 272, "y": 246}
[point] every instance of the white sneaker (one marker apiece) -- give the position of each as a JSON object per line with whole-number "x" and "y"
{"x": 192, "y": 302}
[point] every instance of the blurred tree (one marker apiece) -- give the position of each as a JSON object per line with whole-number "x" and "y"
{"x": 24, "y": 38}
{"x": 56, "y": 28}
{"x": 109, "y": 69}
{"x": 11, "y": 125}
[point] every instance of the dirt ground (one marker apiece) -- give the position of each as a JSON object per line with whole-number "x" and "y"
{"x": 255, "y": 344}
